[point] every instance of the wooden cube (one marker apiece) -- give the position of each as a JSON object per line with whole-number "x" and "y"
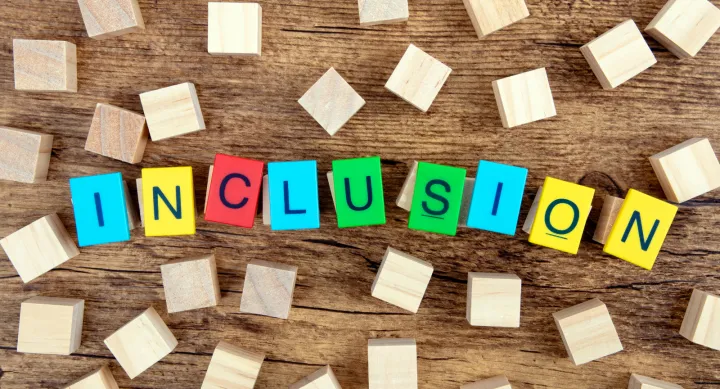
{"x": 524, "y": 98}
{"x": 638, "y": 381}
{"x": 45, "y": 66}
{"x": 117, "y": 133}
{"x": 172, "y": 111}
{"x": 404, "y": 199}
{"x": 466, "y": 200}
{"x": 392, "y": 364}
{"x": 685, "y": 26}
{"x": 266, "y": 201}
{"x": 141, "y": 343}
{"x": 324, "y": 378}
{"x": 234, "y": 28}
{"x": 108, "y": 18}
{"x": 587, "y": 331}
{"x": 190, "y": 283}
{"x": 499, "y": 382}
{"x": 101, "y": 378}
{"x": 207, "y": 189}
{"x": 493, "y": 300}
{"x": 527, "y": 226}
{"x": 417, "y": 78}
{"x": 608, "y": 214}
{"x": 687, "y": 170}
{"x": 232, "y": 368}
{"x": 50, "y": 325}
{"x": 331, "y": 101}
{"x": 488, "y": 16}
{"x": 39, "y": 247}
{"x": 701, "y": 324}
{"x": 402, "y": 280}
{"x": 134, "y": 220}
{"x": 24, "y": 155}
{"x": 374, "y": 12}
{"x": 268, "y": 289}
{"x": 618, "y": 55}
{"x": 141, "y": 208}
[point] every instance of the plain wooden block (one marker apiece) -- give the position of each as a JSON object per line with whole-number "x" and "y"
{"x": 402, "y": 280}
{"x": 117, "y": 133}
{"x": 417, "y": 78}
{"x": 618, "y": 55}
{"x": 488, "y": 16}
{"x": 24, "y": 155}
{"x": 234, "y": 28}
{"x": 134, "y": 220}
{"x": 107, "y": 18}
{"x": 374, "y": 12}
{"x": 493, "y": 300}
{"x": 50, "y": 325}
{"x": 323, "y": 378}
{"x": 466, "y": 200}
{"x": 101, "y": 378}
{"x": 45, "y": 66}
{"x": 331, "y": 101}
{"x": 687, "y": 170}
{"x": 232, "y": 367}
{"x": 533, "y": 210}
{"x": 172, "y": 111}
{"x": 141, "y": 208}
{"x": 190, "y": 283}
{"x": 638, "y": 381}
{"x": 141, "y": 343}
{"x": 524, "y": 98}
{"x": 587, "y": 331}
{"x": 700, "y": 324}
{"x": 207, "y": 189}
{"x": 608, "y": 214}
{"x": 404, "y": 199}
{"x": 392, "y": 364}
{"x": 266, "y": 201}
{"x": 499, "y": 382}
{"x": 685, "y": 26}
{"x": 331, "y": 183}
{"x": 268, "y": 289}
{"x": 39, "y": 247}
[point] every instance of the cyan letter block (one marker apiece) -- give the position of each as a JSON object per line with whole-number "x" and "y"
{"x": 294, "y": 203}
{"x": 100, "y": 209}
{"x": 497, "y": 197}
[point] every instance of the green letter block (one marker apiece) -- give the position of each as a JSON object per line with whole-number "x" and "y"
{"x": 437, "y": 198}
{"x": 359, "y": 199}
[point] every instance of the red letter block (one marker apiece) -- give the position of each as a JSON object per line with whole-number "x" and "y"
{"x": 234, "y": 191}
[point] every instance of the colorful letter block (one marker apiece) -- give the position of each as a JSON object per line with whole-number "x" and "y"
{"x": 101, "y": 378}
{"x": 587, "y": 331}
{"x": 358, "y": 192}
{"x": 687, "y": 170}
{"x": 700, "y": 324}
{"x": 437, "y": 198}
{"x": 101, "y": 214}
{"x": 640, "y": 229}
{"x": 497, "y": 197}
{"x": 168, "y": 200}
{"x": 45, "y": 66}
{"x": 107, "y": 18}
{"x": 234, "y": 191}
{"x": 638, "y": 381}
{"x": 684, "y": 26}
{"x": 294, "y": 202}
{"x": 24, "y": 155}
{"x": 323, "y": 378}
{"x": 417, "y": 78}
{"x": 234, "y": 28}
{"x": 232, "y": 367}
{"x": 561, "y": 215}
{"x": 392, "y": 364}
{"x": 190, "y": 283}
{"x": 331, "y": 101}
{"x": 50, "y": 325}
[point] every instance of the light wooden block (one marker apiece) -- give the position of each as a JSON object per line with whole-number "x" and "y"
{"x": 45, "y": 66}
{"x": 638, "y": 381}
{"x": 392, "y": 364}
{"x": 232, "y": 367}
{"x": 207, "y": 189}
{"x": 488, "y": 16}
{"x": 24, "y": 155}
{"x": 701, "y": 324}
{"x": 101, "y": 378}
{"x": 524, "y": 98}
{"x": 172, "y": 111}
{"x": 685, "y": 26}
{"x": 39, "y": 247}
{"x": 134, "y": 220}
{"x": 234, "y": 28}
{"x": 587, "y": 331}
{"x": 324, "y": 378}
{"x": 374, "y": 12}
{"x": 117, "y": 133}
{"x": 108, "y": 18}
{"x": 404, "y": 199}
{"x": 493, "y": 300}
{"x": 527, "y": 226}
{"x": 331, "y": 101}
{"x": 50, "y": 325}
{"x": 608, "y": 214}
{"x": 268, "y": 289}
{"x": 417, "y": 78}
{"x": 190, "y": 283}
{"x": 466, "y": 200}
{"x": 266, "y": 201}
{"x": 141, "y": 208}
{"x": 141, "y": 343}
{"x": 687, "y": 170}
{"x": 618, "y": 55}
{"x": 402, "y": 280}
{"x": 499, "y": 382}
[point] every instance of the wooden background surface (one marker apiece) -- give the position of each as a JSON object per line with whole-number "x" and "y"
{"x": 599, "y": 138}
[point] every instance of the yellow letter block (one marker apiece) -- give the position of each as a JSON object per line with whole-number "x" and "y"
{"x": 561, "y": 215}
{"x": 640, "y": 229}
{"x": 169, "y": 201}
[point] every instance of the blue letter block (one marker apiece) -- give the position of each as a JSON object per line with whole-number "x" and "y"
{"x": 497, "y": 197}
{"x": 100, "y": 209}
{"x": 294, "y": 203}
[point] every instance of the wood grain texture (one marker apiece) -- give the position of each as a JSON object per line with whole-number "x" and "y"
{"x": 45, "y": 65}
{"x": 374, "y": 12}
{"x": 418, "y": 78}
{"x": 232, "y": 367}
{"x": 392, "y": 364}
{"x": 684, "y": 26}
{"x": 494, "y": 299}
{"x": 107, "y": 18}
{"x": 101, "y": 378}
{"x": 402, "y": 280}
{"x": 268, "y": 289}
{"x": 331, "y": 101}
{"x": 172, "y": 111}
{"x": 524, "y": 98}
{"x": 488, "y": 16}
{"x": 608, "y": 214}
{"x": 641, "y": 382}
{"x": 687, "y": 170}
{"x": 700, "y": 323}
{"x": 24, "y": 155}
{"x": 323, "y": 378}
{"x": 117, "y": 133}
{"x": 190, "y": 283}
{"x": 497, "y": 382}
{"x": 50, "y": 325}
{"x": 599, "y": 138}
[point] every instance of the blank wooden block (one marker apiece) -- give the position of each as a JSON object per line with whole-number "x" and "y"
{"x": 493, "y": 300}
{"x": 488, "y": 16}
{"x": 117, "y": 133}
{"x": 266, "y": 201}
{"x": 466, "y": 200}
{"x": 392, "y": 364}
{"x": 685, "y": 26}
{"x": 232, "y": 368}
{"x": 134, "y": 220}
{"x": 190, "y": 283}
{"x": 50, "y": 325}
{"x": 234, "y": 28}
{"x": 524, "y": 98}
{"x": 587, "y": 331}
{"x": 638, "y": 381}
{"x": 207, "y": 189}
{"x": 324, "y": 378}
{"x": 39, "y": 247}
{"x": 417, "y": 78}
{"x": 499, "y": 382}
{"x": 608, "y": 214}
{"x": 382, "y": 11}
{"x": 402, "y": 279}
{"x": 107, "y": 18}
{"x": 331, "y": 101}
{"x": 268, "y": 289}
{"x": 687, "y": 170}
{"x": 141, "y": 343}
{"x": 701, "y": 324}
{"x": 172, "y": 111}
{"x": 404, "y": 199}
{"x": 531, "y": 214}
{"x": 24, "y": 155}
{"x": 618, "y": 55}
{"x": 141, "y": 208}
{"x": 45, "y": 66}
{"x": 101, "y": 378}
